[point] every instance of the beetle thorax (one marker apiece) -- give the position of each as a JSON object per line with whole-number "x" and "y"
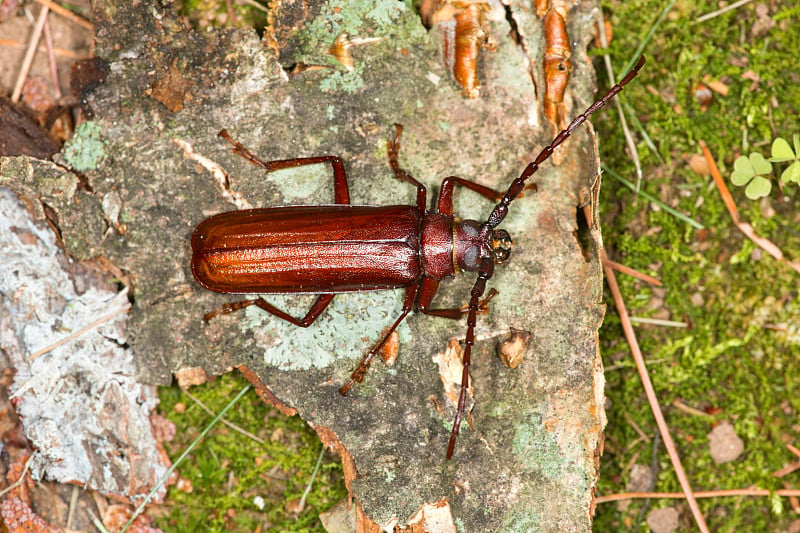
{"x": 448, "y": 246}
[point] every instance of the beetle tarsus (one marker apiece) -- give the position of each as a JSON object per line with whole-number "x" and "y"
{"x": 361, "y": 370}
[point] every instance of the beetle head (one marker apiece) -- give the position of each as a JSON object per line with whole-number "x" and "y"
{"x": 475, "y": 242}
{"x": 501, "y": 245}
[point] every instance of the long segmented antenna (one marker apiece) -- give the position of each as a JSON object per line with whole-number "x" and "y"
{"x": 495, "y": 218}
{"x": 501, "y": 209}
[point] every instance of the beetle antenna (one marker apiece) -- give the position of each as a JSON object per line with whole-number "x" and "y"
{"x": 495, "y": 218}
{"x": 484, "y": 274}
{"x": 501, "y": 209}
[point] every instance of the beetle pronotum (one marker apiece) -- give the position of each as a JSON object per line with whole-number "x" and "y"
{"x": 338, "y": 248}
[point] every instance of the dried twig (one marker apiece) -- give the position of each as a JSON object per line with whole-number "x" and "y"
{"x": 76, "y": 334}
{"x": 21, "y": 479}
{"x": 659, "y": 322}
{"x": 788, "y": 469}
{"x": 61, "y": 52}
{"x": 689, "y": 410}
{"x": 51, "y": 60}
{"x": 718, "y": 12}
{"x": 631, "y": 272}
{"x": 28, "y": 59}
{"x": 66, "y": 13}
{"x": 700, "y": 494}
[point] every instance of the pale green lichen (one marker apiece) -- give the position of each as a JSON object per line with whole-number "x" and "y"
{"x": 300, "y": 183}
{"x": 521, "y": 520}
{"x": 85, "y": 150}
{"x": 381, "y": 20}
{"x": 348, "y": 327}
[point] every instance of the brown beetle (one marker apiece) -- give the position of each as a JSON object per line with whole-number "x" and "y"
{"x": 331, "y": 249}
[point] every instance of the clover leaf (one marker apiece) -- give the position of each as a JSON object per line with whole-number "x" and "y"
{"x": 750, "y": 171}
{"x": 782, "y": 152}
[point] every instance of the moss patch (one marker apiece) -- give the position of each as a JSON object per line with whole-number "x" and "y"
{"x": 239, "y": 484}
{"x": 738, "y": 358}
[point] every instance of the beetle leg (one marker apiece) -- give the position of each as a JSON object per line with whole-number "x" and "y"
{"x": 341, "y": 192}
{"x": 361, "y": 370}
{"x": 444, "y": 204}
{"x": 317, "y": 308}
{"x": 428, "y": 290}
{"x": 393, "y": 147}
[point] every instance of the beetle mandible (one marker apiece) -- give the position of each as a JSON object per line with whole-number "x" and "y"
{"x": 331, "y": 249}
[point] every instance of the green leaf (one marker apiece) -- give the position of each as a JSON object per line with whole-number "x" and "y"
{"x": 796, "y": 140}
{"x": 781, "y": 151}
{"x": 760, "y": 164}
{"x": 758, "y": 187}
{"x": 792, "y": 173}
{"x": 742, "y": 171}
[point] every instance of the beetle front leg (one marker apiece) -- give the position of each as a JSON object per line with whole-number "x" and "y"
{"x": 317, "y": 308}
{"x": 428, "y": 290}
{"x": 361, "y": 370}
{"x": 341, "y": 192}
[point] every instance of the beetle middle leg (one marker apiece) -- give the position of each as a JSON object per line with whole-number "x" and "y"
{"x": 393, "y": 147}
{"x": 428, "y": 289}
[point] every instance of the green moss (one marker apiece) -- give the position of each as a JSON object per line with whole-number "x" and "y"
{"x": 203, "y": 14}
{"x": 239, "y": 484}
{"x": 737, "y": 360}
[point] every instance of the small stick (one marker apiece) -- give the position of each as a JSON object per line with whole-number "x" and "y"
{"x": 21, "y": 479}
{"x": 659, "y": 322}
{"x": 700, "y": 494}
{"x": 66, "y": 13}
{"x": 61, "y": 52}
{"x": 718, "y": 12}
{"x": 765, "y": 244}
{"x": 688, "y": 410}
{"x": 28, "y": 59}
{"x": 631, "y": 272}
{"x": 51, "y": 60}
{"x": 76, "y": 334}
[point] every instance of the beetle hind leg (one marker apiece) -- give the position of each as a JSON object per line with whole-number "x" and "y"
{"x": 361, "y": 370}
{"x": 317, "y": 308}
